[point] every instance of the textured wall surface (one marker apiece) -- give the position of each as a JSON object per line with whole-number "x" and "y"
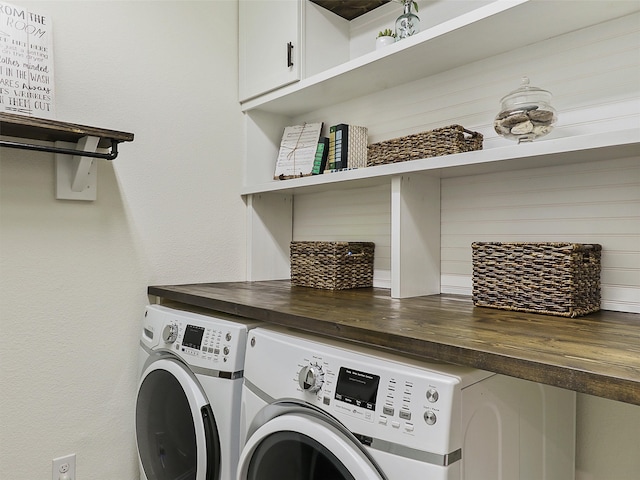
{"x": 73, "y": 275}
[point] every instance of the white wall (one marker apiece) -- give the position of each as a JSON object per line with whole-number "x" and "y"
{"x": 73, "y": 275}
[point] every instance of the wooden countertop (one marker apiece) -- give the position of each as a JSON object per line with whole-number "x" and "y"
{"x": 598, "y": 354}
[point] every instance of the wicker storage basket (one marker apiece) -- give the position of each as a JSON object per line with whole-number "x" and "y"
{"x": 332, "y": 265}
{"x": 441, "y": 141}
{"x": 552, "y": 278}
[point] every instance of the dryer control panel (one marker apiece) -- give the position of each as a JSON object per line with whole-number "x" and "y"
{"x": 200, "y": 340}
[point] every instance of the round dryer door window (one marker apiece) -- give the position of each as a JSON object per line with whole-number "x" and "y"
{"x": 301, "y": 447}
{"x": 175, "y": 429}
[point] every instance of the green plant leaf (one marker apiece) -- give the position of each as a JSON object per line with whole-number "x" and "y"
{"x": 386, "y": 33}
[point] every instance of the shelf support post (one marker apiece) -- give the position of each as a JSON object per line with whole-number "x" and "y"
{"x": 269, "y": 233}
{"x": 415, "y": 235}
{"x": 76, "y": 175}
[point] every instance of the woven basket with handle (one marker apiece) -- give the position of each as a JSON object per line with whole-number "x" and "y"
{"x": 434, "y": 143}
{"x": 332, "y": 265}
{"x": 551, "y": 278}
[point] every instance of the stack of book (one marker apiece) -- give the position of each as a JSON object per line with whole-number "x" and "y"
{"x": 347, "y": 149}
{"x": 304, "y": 151}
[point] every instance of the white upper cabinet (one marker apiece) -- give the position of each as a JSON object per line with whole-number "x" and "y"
{"x": 284, "y": 41}
{"x": 270, "y": 44}
{"x": 484, "y": 30}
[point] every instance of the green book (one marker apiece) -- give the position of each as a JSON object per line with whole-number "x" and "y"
{"x": 322, "y": 153}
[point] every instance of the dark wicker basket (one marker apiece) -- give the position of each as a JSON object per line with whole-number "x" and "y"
{"x": 434, "y": 143}
{"x": 551, "y": 278}
{"x": 332, "y": 265}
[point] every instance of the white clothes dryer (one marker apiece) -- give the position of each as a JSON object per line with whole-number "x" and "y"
{"x": 188, "y": 400}
{"x": 319, "y": 409}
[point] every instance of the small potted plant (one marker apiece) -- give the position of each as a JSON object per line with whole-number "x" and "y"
{"x": 385, "y": 37}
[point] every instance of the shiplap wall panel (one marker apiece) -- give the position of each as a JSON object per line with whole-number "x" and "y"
{"x": 594, "y": 76}
{"x": 590, "y": 203}
{"x": 362, "y": 214}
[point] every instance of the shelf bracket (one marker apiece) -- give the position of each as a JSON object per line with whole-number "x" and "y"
{"x": 77, "y": 170}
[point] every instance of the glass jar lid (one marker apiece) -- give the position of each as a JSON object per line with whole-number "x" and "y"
{"x": 526, "y": 94}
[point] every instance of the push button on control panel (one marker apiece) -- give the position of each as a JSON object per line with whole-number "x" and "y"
{"x": 432, "y": 395}
{"x": 430, "y": 418}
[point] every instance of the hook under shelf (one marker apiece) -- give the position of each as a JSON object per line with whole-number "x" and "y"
{"x": 65, "y": 151}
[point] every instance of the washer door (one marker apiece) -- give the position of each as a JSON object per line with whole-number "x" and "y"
{"x": 176, "y": 432}
{"x": 301, "y": 445}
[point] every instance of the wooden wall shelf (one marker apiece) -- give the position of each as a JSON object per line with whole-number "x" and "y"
{"x": 21, "y": 126}
{"x": 76, "y": 147}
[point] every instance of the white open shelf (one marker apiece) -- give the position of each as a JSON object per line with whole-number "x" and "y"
{"x": 576, "y": 149}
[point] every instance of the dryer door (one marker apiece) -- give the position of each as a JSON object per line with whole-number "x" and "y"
{"x": 304, "y": 446}
{"x": 176, "y": 433}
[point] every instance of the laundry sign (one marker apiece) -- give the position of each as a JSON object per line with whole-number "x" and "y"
{"x": 26, "y": 62}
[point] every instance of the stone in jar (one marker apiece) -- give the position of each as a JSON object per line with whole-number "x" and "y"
{"x": 526, "y": 114}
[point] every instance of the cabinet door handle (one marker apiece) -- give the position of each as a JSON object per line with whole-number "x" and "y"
{"x": 289, "y": 54}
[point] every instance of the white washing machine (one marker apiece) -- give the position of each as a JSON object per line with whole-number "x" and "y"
{"x": 188, "y": 402}
{"x": 325, "y": 410}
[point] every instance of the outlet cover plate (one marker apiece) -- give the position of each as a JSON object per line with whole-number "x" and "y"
{"x": 64, "y": 466}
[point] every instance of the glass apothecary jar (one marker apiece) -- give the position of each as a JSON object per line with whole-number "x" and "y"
{"x": 525, "y": 114}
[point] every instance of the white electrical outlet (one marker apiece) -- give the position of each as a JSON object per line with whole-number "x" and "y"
{"x": 64, "y": 468}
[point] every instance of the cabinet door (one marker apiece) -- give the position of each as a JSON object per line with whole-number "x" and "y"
{"x": 270, "y": 33}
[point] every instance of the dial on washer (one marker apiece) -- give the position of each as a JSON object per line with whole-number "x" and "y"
{"x": 311, "y": 378}
{"x": 170, "y": 333}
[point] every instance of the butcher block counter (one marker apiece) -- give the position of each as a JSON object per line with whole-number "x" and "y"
{"x": 598, "y": 354}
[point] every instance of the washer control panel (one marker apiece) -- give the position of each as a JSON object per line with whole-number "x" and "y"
{"x": 374, "y": 394}
{"x": 398, "y": 400}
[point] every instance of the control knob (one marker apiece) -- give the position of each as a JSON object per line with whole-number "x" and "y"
{"x": 311, "y": 378}
{"x": 170, "y": 333}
